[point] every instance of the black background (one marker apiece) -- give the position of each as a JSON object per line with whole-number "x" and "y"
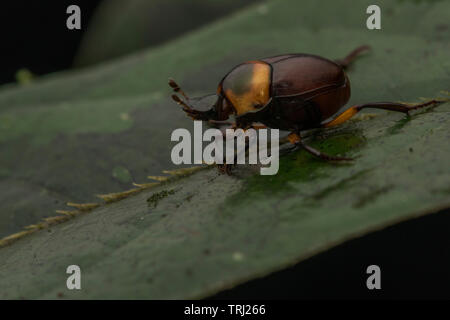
{"x": 34, "y": 35}
{"x": 413, "y": 256}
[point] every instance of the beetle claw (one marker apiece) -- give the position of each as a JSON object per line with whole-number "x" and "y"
{"x": 225, "y": 168}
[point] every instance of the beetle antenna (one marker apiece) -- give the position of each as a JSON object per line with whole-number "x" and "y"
{"x": 177, "y": 88}
{"x": 178, "y": 100}
{"x": 191, "y": 112}
{"x": 187, "y": 108}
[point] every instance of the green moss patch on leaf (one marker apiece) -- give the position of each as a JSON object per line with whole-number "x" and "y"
{"x": 156, "y": 197}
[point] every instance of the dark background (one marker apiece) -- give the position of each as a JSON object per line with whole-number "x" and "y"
{"x": 35, "y": 37}
{"x": 413, "y": 256}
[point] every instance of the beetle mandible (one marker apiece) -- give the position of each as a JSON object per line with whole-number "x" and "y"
{"x": 293, "y": 92}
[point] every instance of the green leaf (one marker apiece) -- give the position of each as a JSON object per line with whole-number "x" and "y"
{"x": 62, "y": 136}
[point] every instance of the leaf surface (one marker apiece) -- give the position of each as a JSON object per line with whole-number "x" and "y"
{"x": 72, "y": 135}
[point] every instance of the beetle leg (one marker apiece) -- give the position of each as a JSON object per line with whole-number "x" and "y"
{"x": 295, "y": 139}
{"x": 226, "y": 167}
{"x": 235, "y": 126}
{"x": 220, "y": 122}
{"x": 257, "y": 126}
{"x": 345, "y": 62}
{"x": 392, "y": 106}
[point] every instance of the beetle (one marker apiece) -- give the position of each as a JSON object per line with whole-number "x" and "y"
{"x": 293, "y": 92}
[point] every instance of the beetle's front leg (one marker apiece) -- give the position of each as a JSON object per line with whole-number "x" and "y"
{"x": 226, "y": 167}
{"x": 295, "y": 139}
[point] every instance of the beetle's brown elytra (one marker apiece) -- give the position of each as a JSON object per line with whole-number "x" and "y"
{"x": 291, "y": 92}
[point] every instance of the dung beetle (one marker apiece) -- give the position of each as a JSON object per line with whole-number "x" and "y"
{"x": 293, "y": 92}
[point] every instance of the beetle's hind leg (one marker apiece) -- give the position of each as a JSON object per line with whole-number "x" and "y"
{"x": 295, "y": 139}
{"x": 345, "y": 62}
{"x": 392, "y": 106}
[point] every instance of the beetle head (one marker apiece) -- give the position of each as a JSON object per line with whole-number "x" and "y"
{"x": 209, "y": 107}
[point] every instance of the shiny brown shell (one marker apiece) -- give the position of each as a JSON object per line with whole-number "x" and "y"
{"x": 300, "y": 90}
